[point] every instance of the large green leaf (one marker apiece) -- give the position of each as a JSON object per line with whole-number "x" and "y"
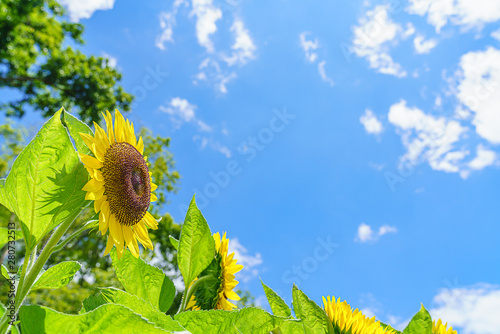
{"x": 313, "y": 317}
{"x": 278, "y": 305}
{"x": 174, "y": 242}
{"x": 57, "y": 276}
{"x": 144, "y": 280}
{"x": 139, "y": 306}
{"x": 44, "y": 187}
{"x": 109, "y": 318}
{"x": 421, "y": 323}
{"x": 6, "y": 235}
{"x": 247, "y": 320}
{"x": 196, "y": 244}
{"x": 75, "y": 126}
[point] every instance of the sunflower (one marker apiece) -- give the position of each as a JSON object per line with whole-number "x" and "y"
{"x": 215, "y": 293}
{"x": 439, "y": 328}
{"x": 345, "y": 320}
{"x": 120, "y": 184}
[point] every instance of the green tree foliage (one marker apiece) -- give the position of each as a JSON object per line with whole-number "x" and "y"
{"x": 37, "y": 62}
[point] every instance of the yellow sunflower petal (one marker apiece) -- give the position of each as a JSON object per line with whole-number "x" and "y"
{"x": 150, "y": 221}
{"x": 153, "y": 187}
{"x": 131, "y": 241}
{"x": 109, "y": 245}
{"x": 119, "y": 127}
{"x": 88, "y": 140}
{"x": 153, "y": 198}
{"x": 98, "y": 203}
{"x": 93, "y": 186}
{"x": 232, "y": 295}
{"x": 140, "y": 146}
{"x": 103, "y": 223}
{"x": 115, "y": 229}
{"x": 142, "y": 235}
{"x": 94, "y": 195}
{"x": 90, "y": 161}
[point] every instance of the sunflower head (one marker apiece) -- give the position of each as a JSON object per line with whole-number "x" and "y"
{"x": 347, "y": 321}
{"x": 120, "y": 184}
{"x": 439, "y": 328}
{"x": 214, "y": 294}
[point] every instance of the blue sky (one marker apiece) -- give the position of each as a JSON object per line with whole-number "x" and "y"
{"x": 350, "y": 147}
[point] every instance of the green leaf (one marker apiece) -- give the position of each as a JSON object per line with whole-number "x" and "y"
{"x": 75, "y": 126}
{"x": 6, "y": 235}
{"x": 44, "y": 187}
{"x": 174, "y": 242}
{"x": 109, "y": 318}
{"x": 139, "y": 306}
{"x": 278, "y": 305}
{"x": 14, "y": 329}
{"x": 5, "y": 273}
{"x": 421, "y": 323}
{"x": 388, "y": 327}
{"x": 92, "y": 302}
{"x": 57, "y": 276}
{"x": 313, "y": 317}
{"x": 144, "y": 280}
{"x": 247, "y": 320}
{"x": 196, "y": 245}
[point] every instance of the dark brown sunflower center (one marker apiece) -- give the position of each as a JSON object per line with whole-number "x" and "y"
{"x": 126, "y": 183}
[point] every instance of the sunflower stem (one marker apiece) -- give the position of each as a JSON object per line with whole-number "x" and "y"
{"x": 190, "y": 291}
{"x": 28, "y": 277}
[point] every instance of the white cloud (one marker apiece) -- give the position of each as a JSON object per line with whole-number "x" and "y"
{"x": 181, "y": 111}
{"x": 428, "y": 138}
{"x": 484, "y": 158}
{"x": 112, "y": 61}
{"x": 465, "y": 13}
{"x": 473, "y": 309}
{"x": 371, "y": 123}
{"x": 207, "y": 16}
{"x": 78, "y": 9}
{"x": 373, "y": 36}
{"x": 213, "y": 144}
{"x": 322, "y": 73}
{"x": 496, "y": 34}
{"x": 211, "y": 71}
{"x": 479, "y": 91}
{"x": 250, "y": 262}
{"x": 366, "y": 234}
{"x": 309, "y": 46}
{"x": 243, "y": 47}
{"x": 167, "y": 22}
{"x": 422, "y": 45}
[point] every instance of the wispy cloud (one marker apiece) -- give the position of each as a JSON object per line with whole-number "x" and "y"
{"x": 374, "y": 35}
{"x": 181, "y": 111}
{"x": 207, "y": 16}
{"x": 243, "y": 46}
{"x": 465, "y": 13}
{"x": 422, "y": 45}
{"x": 78, "y": 9}
{"x": 167, "y": 22}
{"x": 367, "y": 234}
{"x": 371, "y": 123}
{"x": 250, "y": 262}
{"x": 205, "y": 141}
{"x": 310, "y": 46}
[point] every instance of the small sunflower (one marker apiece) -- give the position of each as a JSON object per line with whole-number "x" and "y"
{"x": 439, "y": 328}
{"x": 345, "y": 320}
{"x": 120, "y": 184}
{"x": 215, "y": 294}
